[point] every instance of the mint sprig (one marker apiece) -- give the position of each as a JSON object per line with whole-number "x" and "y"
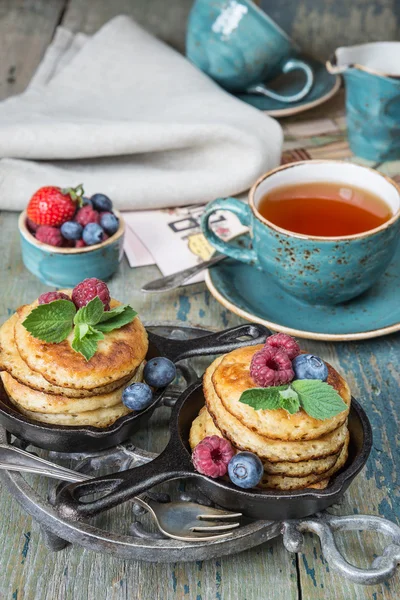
{"x": 317, "y": 398}
{"x": 51, "y": 322}
{"x": 54, "y": 322}
{"x": 263, "y": 398}
{"x": 87, "y": 344}
{"x": 91, "y": 313}
{"x": 117, "y": 321}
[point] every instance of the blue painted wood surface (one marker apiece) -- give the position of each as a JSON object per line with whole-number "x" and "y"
{"x": 28, "y": 571}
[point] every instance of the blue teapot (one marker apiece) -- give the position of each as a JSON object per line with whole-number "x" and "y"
{"x": 372, "y": 77}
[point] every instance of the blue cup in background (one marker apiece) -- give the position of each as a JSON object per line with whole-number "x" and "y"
{"x": 241, "y": 48}
{"x": 372, "y": 77}
{"x": 317, "y": 270}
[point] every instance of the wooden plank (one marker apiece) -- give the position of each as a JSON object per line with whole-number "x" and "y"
{"x": 166, "y": 20}
{"x": 26, "y": 28}
{"x": 321, "y": 27}
{"x": 371, "y": 368}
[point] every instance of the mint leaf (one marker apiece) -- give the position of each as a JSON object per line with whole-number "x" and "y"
{"x": 81, "y": 330}
{"x": 119, "y": 320}
{"x": 91, "y": 313}
{"x": 87, "y": 345}
{"x": 263, "y": 398}
{"x": 289, "y": 400}
{"x": 319, "y": 399}
{"x": 110, "y": 314}
{"x": 51, "y": 322}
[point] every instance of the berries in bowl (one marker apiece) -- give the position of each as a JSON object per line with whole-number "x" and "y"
{"x": 66, "y": 236}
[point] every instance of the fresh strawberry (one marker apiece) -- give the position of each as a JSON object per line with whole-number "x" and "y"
{"x": 53, "y": 206}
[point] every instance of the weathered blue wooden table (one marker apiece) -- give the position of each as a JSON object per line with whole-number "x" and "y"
{"x": 28, "y": 571}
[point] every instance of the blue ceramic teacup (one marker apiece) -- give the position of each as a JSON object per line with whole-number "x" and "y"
{"x": 372, "y": 76}
{"x": 318, "y": 270}
{"x": 66, "y": 267}
{"x": 241, "y": 48}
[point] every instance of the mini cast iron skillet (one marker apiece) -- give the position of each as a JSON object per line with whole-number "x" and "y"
{"x": 83, "y": 439}
{"x": 175, "y": 462}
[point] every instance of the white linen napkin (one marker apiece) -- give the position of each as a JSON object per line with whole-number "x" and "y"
{"x": 124, "y": 114}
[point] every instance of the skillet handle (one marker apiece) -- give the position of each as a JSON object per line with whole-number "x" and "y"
{"x": 215, "y": 343}
{"x": 120, "y": 487}
{"x": 324, "y": 525}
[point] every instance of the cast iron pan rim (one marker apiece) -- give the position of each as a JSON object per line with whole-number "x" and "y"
{"x": 89, "y": 430}
{"x": 344, "y": 477}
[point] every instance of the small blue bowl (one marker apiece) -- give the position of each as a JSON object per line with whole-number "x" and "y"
{"x": 66, "y": 267}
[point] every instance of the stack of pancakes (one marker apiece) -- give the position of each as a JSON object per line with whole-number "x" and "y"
{"x": 54, "y": 384}
{"x": 297, "y": 450}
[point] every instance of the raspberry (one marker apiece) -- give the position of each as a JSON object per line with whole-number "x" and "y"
{"x": 271, "y": 366}
{"x": 286, "y": 342}
{"x": 49, "y": 235}
{"x": 51, "y": 296}
{"x": 88, "y": 289}
{"x": 212, "y": 455}
{"x": 80, "y": 244}
{"x": 31, "y": 225}
{"x": 86, "y": 215}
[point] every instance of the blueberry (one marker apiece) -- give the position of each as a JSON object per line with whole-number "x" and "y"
{"x": 101, "y": 202}
{"x": 92, "y": 234}
{"x": 86, "y": 200}
{"x": 159, "y": 372}
{"x": 71, "y": 230}
{"x": 308, "y": 366}
{"x": 137, "y": 396}
{"x": 245, "y": 469}
{"x": 109, "y": 223}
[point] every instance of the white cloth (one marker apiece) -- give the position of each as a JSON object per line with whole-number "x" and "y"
{"x": 124, "y": 114}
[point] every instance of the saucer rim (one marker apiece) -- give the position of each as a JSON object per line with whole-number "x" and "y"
{"x": 300, "y": 333}
{"x": 294, "y": 110}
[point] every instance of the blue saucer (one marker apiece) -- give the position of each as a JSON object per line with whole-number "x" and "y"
{"x": 324, "y": 87}
{"x": 247, "y": 292}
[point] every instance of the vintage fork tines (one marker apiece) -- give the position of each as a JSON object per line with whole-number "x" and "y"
{"x": 177, "y": 520}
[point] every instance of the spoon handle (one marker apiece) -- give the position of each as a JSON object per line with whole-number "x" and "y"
{"x": 164, "y": 284}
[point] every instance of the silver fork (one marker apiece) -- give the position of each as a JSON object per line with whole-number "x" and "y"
{"x": 178, "y": 520}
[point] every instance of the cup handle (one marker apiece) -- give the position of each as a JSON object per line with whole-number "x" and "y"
{"x": 291, "y": 64}
{"x": 241, "y": 210}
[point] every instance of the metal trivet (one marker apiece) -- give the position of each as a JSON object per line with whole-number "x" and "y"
{"x": 126, "y": 531}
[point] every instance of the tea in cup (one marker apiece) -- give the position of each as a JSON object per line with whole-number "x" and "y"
{"x": 324, "y": 231}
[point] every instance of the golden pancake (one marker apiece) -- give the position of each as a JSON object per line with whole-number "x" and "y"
{"x": 232, "y": 377}
{"x": 117, "y": 356}
{"x": 32, "y": 400}
{"x": 266, "y": 448}
{"x": 281, "y": 482}
{"x": 11, "y": 361}
{"x": 102, "y": 417}
{"x": 321, "y": 485}
{"x": 204, "y": 426}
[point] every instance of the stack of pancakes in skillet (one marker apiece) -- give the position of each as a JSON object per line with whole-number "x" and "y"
{"x": 297, "y": 451}
{"x": 54, "y": 384}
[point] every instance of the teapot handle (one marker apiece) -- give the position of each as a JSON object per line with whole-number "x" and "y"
{"x": 333, "y": 67}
